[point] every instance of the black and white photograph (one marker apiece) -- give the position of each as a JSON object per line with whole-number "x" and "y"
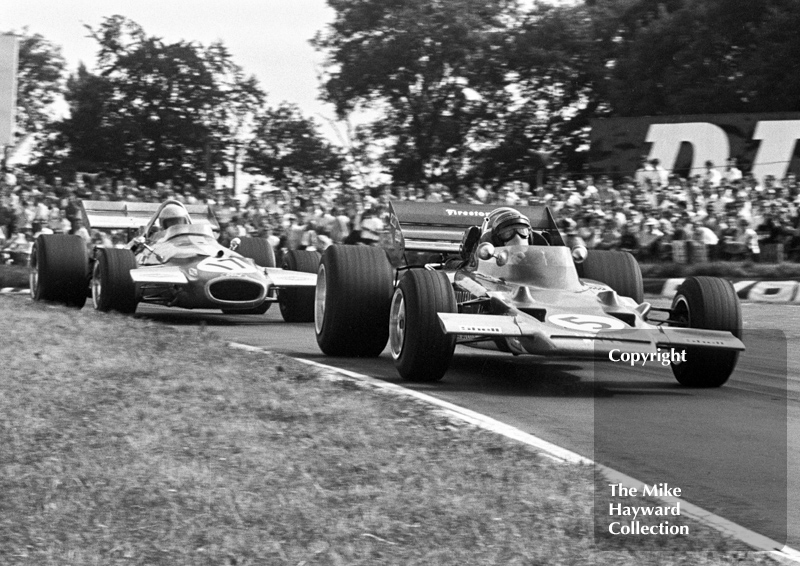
{"x": 367, "y": 282}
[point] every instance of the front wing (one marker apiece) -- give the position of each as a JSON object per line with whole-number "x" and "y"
{"x": 170, "y": 285}
{"x": 529, "y": 336}
{"x": 173, "y": 275}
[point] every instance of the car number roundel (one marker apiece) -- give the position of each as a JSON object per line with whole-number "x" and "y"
{"x": 586, "y": 322}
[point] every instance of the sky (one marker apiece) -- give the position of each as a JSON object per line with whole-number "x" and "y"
{"x": 267, "y": 38}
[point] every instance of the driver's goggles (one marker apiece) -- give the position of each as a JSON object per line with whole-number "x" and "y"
{"x": 507, "y": 233}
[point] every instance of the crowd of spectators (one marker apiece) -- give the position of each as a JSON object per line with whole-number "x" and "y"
{"x": 728, "y": 214}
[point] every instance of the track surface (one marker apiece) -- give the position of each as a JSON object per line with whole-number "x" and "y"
{"x": 728, "y": 449}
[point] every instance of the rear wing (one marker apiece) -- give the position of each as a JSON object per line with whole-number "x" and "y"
{"x": 439, "y": 227}
{"x": 123, "y": 215}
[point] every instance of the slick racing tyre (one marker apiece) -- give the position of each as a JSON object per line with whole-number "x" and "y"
{"x": 618, "y": 270}
{"x": 112, "y": 285}
{"x": 351, "y": 303}
{"x": 59, "y": 269}
{"x": 297, "y": 304}
{"x": 709, "y": 303}
{"x": 257, "y": 249}
{"x": 421, "y": 351}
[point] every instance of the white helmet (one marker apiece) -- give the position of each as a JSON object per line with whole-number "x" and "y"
{"x": 173, "y": 214}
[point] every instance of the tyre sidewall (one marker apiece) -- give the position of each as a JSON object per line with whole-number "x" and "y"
{"x": 357, "y": 285}
{"x": 117, "y": 289}
{"x": 425, "y": 351}
{"x": 708, "y": 303}
{"x": 61, "y": 265}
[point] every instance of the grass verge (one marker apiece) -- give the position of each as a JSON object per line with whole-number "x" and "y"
{"x": 128, "y": 442}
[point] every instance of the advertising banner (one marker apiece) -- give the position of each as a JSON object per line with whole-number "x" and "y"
{"x": 764, "y": 144}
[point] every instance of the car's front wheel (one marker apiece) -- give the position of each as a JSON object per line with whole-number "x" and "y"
{"x": 112, "y": 285}
{"x": 420, "y": 349}
{"x": 708, "y": 303}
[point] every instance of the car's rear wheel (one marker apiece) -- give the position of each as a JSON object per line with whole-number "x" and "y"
{"x": 59, "y": 269}
{"x": 351, "y": 303}
{"x": 297, "y": 304}
{"x": 112, "y": 285}
{"x": 618, "y": 270}
{"x": 709, "y": 303}
{"x": 257, "y": 249}
{"x": 420, "y": 349}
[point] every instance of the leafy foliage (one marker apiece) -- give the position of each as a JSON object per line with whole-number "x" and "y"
{"x": 155, "y": 110}
{"x": 490, "y": 90}
{"x": 699, "y": 56}
{"x": 457, "y": 90}
{"x": 288, "y": 148}
{"x": 39, "y": 80}
{"x": 420, "y": 64}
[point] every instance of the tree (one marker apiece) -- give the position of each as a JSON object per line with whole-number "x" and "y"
{"x": 155, "y": 110}
{"x": 431, "y": 68}
{"x": 488, "y": 89}
{"x": 700, "y": 56}
{"x": 40, "y": 80}
{"x": 551, "y": 60}
{"x": 289, "y": 148}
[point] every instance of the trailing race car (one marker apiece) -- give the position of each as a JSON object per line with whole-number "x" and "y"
{"x": 504, "y": 279}
{"x": 174, "y": 260}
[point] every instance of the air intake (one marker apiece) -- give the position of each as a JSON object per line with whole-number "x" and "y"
{"x": 235, "y": 290}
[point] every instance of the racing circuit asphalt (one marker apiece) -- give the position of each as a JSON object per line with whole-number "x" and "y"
{"x": 729, "y": 449}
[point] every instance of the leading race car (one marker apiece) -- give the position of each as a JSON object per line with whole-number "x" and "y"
{"x": 173, "y": 260}
{"x": 504, "y": 279}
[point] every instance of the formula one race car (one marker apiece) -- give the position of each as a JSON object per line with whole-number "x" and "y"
{"x": 173, "y": 260}
{"x": 504, "y": 279}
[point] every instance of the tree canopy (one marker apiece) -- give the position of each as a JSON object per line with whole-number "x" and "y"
{"x": 154, "y": 109}
{"x": 287, "y": 147}
{"x": 491, "y": 89}
{"x": 456, "y": 90}
{"x": 40, "y": 80}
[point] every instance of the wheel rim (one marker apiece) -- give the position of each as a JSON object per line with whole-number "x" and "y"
{"x": 397, "y": 324}
{"x": 97, "y": 286}
{"x": 320, "y": 295}
{"x": 681, "y": 312}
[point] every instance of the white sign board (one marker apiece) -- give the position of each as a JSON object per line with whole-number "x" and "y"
{"x": 9, "y": 49}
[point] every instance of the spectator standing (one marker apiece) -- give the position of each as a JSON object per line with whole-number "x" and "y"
{"x": 712, "y": 175}
{"x": 732, "y": 172}
{"x": 651, "y": 239}
{"x": 660, "y": 175}
{"x": 629, "y": 239}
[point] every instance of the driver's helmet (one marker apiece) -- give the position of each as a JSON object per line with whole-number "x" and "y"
{"x": 173, "y": 214}
{"x": 502, "y": 224}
